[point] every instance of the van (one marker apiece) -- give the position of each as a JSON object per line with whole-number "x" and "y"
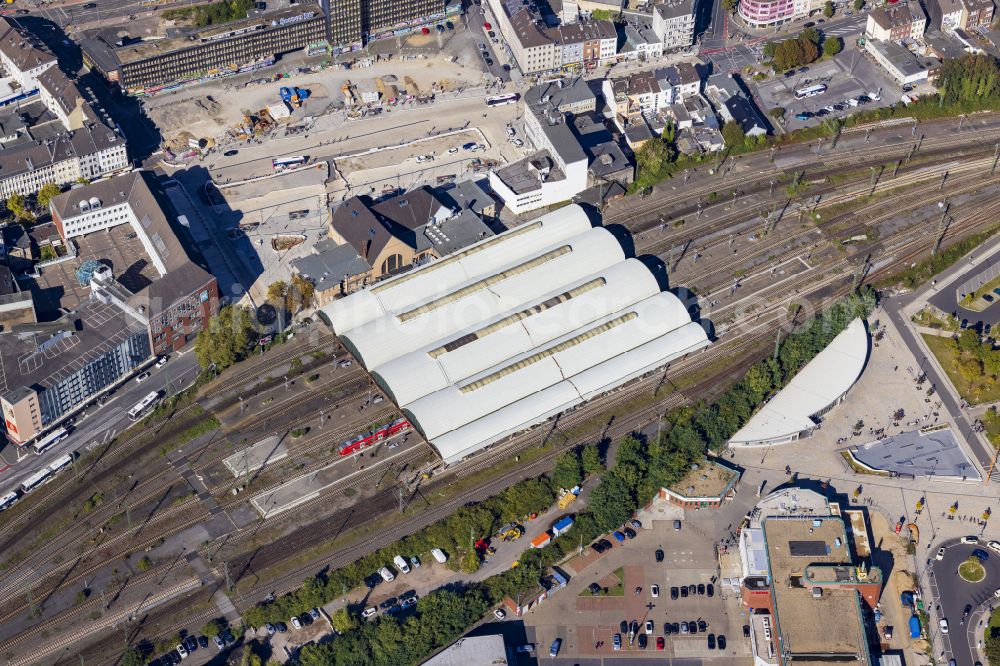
{"x": 439, "y": 555}
{"x": 401, "y": 564}
{"x": 386, "y": 574}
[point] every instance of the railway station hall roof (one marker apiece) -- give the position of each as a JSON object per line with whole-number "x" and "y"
{"x": 512, "y": 330}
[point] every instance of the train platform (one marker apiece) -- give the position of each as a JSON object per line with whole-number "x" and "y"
{"x": 256, "y": 456}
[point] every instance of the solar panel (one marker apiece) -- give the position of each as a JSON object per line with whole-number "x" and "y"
{"x": 808, "y": 548}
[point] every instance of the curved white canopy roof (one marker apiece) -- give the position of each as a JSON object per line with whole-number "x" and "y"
{"x": 817, "y": 386}
{"x": 385, "y": 338}
{"x": 526, "y": 374}
{"x": 485, "y": 344}
{"x": 485, "y": 257}
{"x": 537, "y": 407}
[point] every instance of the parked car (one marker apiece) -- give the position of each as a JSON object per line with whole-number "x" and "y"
{"x": 141, "y": 378}
{"x": 981, "y": 554}
{"x": 527, "y": 648}
{"x": 605, "y": 543}
{"x": 711, "y": 641}
{"x": 597, "y": 547}
{"x": 944, "y": 625}
{"x": 684, "y": 627}
{"x": 643, "y": 641}
{"x": 666, "y": 628}
{"x": 368, "y": 612}
{"x": 659, "y": 555}
{"x": 594, "y": 588}
{"x": 162, "y": 361}
{"x": 629, "y": 532}
{"x": 702, "y": 626}
{"x": 624, "y": 626}
{"x": 746, "y": 631}
{"x": 296, "y": 622}
{"x": 554, "y": 650}
{"x": 406, "y": 603}
{"x": 692, "y": 589}
{"x": 710, "y": 590}
{"x": 684, "y": 591}
{"x": 994, "y": 546}
{"x": 693, "y": 626}
{"x": 616, "y": 643}
{"x": 701, "y": 589}
{"x": 673, "y": 593}
{"x": 970, "y": 539}
{"x": 182, "y": 651}
{"x": 230, "y": 153}
{"x": 654, "y": 590}
{"x": 499, "y": 613}
{"x": 452, "y": 151}
{"x": 721, "y": 640}
{"x": 940, "y": 553}
{"x": 677, "y": 525}
{"x": 270, "y": 629}
{"x": 219, "y": 643}
{"x": 649, "y": 627}
{"x": 618, "y": 536}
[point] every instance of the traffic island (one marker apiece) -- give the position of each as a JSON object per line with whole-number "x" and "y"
{"x": 971, "y": 570}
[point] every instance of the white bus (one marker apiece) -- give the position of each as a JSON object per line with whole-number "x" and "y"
{"x": 8, "y": 500}
{"x": 35, "y": 480}
{"x": 140, "y": 407}
{"x": 287, "y": 162}
{"x": 47, "y": 442}
{"x": 61, "y": 463}
{"x": 500, "y": 100}
{"x": 811, "y": 91}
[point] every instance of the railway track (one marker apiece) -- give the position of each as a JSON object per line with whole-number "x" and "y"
{"x": 911, "y": 247}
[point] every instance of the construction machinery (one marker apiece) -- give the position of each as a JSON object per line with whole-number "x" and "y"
{"x": 510, "y": 532}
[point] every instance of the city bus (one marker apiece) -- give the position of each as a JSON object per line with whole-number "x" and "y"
{"x": 811, "y": 91}
{"x": 47, "y": 442}
{"x": 140, "y": 407}
{"x": 60, "y": 463}
{"x": 35, "y": 480}
{"x": 8, "y": 500}
{"x": 288, "y": 162}
{"x": 500, "y": 100}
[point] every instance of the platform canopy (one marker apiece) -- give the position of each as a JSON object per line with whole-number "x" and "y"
{"x": 817, "y": 387}
{"x": 512, "y": 330}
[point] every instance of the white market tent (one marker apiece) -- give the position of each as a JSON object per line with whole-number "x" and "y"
{"x": 821, "y": 384}
{"x": 512, "y": 330}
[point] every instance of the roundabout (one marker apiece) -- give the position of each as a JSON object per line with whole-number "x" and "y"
{"x": 971, "y": 570}
{"x": 964, "y": 588}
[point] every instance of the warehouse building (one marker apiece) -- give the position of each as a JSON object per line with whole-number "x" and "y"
{"x": 512, "y": 330}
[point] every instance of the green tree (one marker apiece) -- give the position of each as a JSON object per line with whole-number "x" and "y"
{"x": 250, "y": 657}
{"x": 810, "y": 35}
{"x": 828, "y": 9}
{"x": 343, "y": 621}
{"x": 276, "y": 293}
{"x": 212, "y": 628}
{"x": 568, "y": 471}
{"x": 299, "y": 294}
{"x": 18, "y": 204}
{"x": 731, "y": 5}
{"x": 47, "y": 192}
{"x": 226, "y": 339}
{"x": 832, "y": 46}
{"x": 769, "y": 49}
{"x": 653, "y": 157}
{"x": 733, "y": 134}
{"x": 132, "y": 656}
{"x": 992, "y": 646}
{"x": 590, "y": 457}
{"x": 777, "y": 113}
{"x": 859, "y": 5}
{"x": 611, "y": 502}
{"x": 968, "y": 342}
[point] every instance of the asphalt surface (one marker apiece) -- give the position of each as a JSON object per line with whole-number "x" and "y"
{"x": 947, "y": 300}
{"x": 101, "y": 423}
{"x": 952, "y": 594}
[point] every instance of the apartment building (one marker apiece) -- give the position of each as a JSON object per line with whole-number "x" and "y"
{"x": 24, "y": 56}
{"x": 896, "y": 22}
{"x": 540, "y": 47}
{"x": 673, "y": 22}
{"x": 650, "y": 92}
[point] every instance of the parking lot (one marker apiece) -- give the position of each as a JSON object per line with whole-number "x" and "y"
{"x": 587, "y": 623}
{"x": 847, "y": 76}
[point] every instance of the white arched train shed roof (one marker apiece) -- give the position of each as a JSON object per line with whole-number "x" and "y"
{"x": 529, "y": 373}
{"x": 486, "y": 257}
{"x": 533, "y": 409}
{"x": 386, "y": 338}
{"x": 820, "y": 384}
{"x": 491, "y": 342}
